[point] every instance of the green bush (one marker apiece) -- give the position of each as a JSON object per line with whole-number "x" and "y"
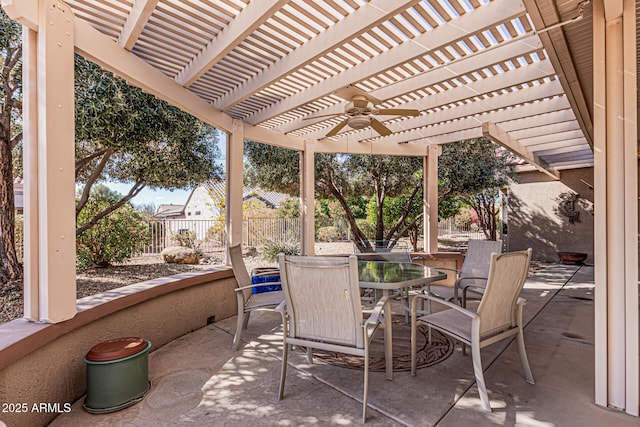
{"x": 366, "y": 227}
{"x": 328, "y": 234}
{"x": 187, "y": 239}
{"x": 271, "y": 249}
{"x": 114, "y": 238}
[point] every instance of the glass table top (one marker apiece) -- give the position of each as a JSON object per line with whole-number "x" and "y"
{"x": 394, "y": 274}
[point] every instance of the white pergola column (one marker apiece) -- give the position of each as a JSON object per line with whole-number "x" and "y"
{"x": 430, "y": 199}
{"x": 234, "y": 189}
{"x": 307, "y": 198}
{"x": 616, "y": 206}
{"x": 50, "y": 249}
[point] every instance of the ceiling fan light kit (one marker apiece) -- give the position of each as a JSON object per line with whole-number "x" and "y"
{"x": 359, "y": 122}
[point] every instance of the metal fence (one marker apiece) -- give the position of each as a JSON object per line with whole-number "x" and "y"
{"x": 449, "y": 228}
{"x": 209, "y": 236}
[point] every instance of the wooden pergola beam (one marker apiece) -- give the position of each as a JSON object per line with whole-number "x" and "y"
{"x": 366, "y": 17}
{"x": 251, "y": 17}
{"x": 502, "y": 138}
{"x": 133, "y": 26}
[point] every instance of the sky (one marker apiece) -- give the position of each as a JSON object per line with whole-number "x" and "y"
{"x": 156, "y": 197}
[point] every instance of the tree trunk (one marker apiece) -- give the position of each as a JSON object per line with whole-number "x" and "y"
{"x": 10, "y": 269}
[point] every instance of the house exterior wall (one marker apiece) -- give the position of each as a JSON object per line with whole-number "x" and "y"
{"x": 539, "y": 214}
{"x": 200, "y": 205}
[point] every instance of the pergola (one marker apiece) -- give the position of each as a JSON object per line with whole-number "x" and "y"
{"x": 552, "y": 81}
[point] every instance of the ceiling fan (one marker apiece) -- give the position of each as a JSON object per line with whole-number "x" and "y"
{"x": 361, "y": 111}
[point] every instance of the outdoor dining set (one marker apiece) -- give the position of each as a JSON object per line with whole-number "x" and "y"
{"x": 337, "y": 303}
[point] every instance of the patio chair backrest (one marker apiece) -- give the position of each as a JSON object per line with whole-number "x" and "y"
{"x": 507, "y": 274}
{"x": 323, "y": 298}
{"x": 478, "y": 258}
{"x": 239, "y": 269}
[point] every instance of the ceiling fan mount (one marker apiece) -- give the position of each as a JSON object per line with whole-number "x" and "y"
{"x": 360, "y": 111}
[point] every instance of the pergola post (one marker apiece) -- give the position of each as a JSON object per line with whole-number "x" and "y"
{"x": 307, "y": 198}
{"x": 234, "y": 189}
{"x": 430, "y": 199}
{"x": 616, "y": 206}
{"x": 50, "y": 253}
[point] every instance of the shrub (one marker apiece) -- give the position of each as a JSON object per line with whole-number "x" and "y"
{"x": 463, "y": 220}
{"x": 114, "y": 238}
{"x": 271, "y": 249}
{"x": 187, "y": 239}
{"x": 328, "y": 234}
{"x": 366, "y": 227}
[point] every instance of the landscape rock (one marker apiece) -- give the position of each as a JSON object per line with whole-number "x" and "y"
{"x": 179, "y": 255}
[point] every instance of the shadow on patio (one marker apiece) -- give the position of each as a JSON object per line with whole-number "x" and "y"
{"x": 198, "y": 380}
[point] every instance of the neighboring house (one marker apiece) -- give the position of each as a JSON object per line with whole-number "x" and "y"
{"x": 206, "y": 201}
{"x": 170, "y": 211}
{"x": 272, "y": 199}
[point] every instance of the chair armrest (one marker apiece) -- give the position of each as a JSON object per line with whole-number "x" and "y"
{"x": 440, "y": 301}
{"x": 374, "y": 317}
{"x": 257, "y": 285}
{"x": 479, "y": 288}
{"x": 281, "y": 307}
{"x": 272, "y": 272}
{"x": 461, "y": 279}
{"x": 447, "y": 269}
{"x": 465, "y": 288}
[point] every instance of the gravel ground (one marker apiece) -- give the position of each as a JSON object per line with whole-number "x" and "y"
{"x": 95, "y": 280}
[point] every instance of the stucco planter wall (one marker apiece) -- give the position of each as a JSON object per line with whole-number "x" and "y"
{"x": 43, "y": 364}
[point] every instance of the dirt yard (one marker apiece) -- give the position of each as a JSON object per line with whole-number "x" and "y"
{"x": 95, "y": 280}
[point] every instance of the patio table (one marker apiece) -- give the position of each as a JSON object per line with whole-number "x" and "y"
{"x": 389, "y": 276}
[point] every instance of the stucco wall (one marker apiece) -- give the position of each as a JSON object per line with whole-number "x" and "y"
{"x": 535, "y": 217}
{"x": 47, "y": 363}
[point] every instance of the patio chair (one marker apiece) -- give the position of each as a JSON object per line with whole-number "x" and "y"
{"x": 499, "y": 316}
{"x": 472, "y": 277}
{"x": 248, "y": 301}
{"x": 322, "y": 310}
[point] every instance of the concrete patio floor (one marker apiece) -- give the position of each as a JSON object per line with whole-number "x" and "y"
{"x": 197, "y": 380}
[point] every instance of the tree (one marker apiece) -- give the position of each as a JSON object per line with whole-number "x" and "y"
{"x": 473, "y": 171}
{"x": 10, "y": 137}
{"x": 484, "y": 205}
{"x": 122, "y": 135}
{"x": 341, "y": 177}
{"x": 465, "y": 168}
{"x": 126, "y": 135}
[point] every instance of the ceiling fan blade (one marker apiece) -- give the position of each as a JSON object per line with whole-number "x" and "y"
{"x": 380, "y": 128}
{"x": 398, "y": 112}
{"x": 324, "y": 115}
{"x": 337, "y": 129}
